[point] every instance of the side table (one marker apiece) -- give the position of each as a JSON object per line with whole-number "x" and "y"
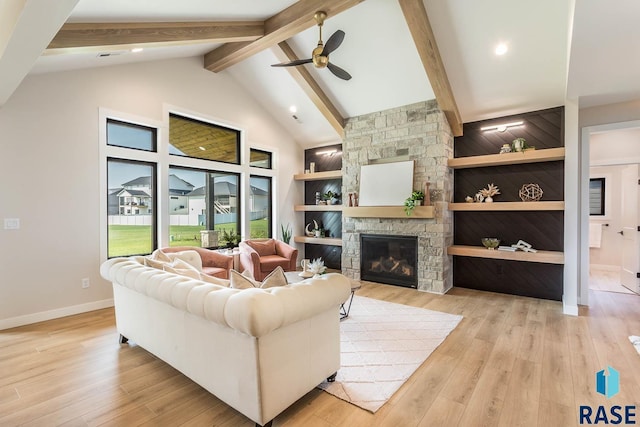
{"x": 344, "y": 308}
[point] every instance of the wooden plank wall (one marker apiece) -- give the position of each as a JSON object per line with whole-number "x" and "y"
{"x": 543, "y": 229}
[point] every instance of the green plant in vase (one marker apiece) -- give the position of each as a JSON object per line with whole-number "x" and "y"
{"x": 412, "y": 201}
{"x": 331, "y": 197}
{"x": 229, "y": 239}
{"x": 286, "y": 233}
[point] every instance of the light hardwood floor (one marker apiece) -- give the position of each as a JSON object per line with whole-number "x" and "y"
{"x": 606, "y": 280}
{"x": 512, "y": 361}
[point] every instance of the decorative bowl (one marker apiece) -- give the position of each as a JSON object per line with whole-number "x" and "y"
{"x": 490, "y": 242}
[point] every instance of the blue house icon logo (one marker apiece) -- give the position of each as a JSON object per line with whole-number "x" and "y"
{"x": 608, "y": 385}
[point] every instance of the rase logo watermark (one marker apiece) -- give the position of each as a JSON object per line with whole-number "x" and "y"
{"x": 608, "y": 384}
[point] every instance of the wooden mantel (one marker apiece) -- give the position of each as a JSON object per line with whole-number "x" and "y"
{"x": 420, "y": 212}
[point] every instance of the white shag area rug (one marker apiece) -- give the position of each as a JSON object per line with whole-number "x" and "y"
{"x": 635, "y": 340}
{"x": 382, "y": 344}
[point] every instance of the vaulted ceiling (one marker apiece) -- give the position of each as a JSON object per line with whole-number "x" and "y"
{"x": 398, "y": 51}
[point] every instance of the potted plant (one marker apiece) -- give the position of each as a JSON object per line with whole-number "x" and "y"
{"x": 412, "y": 201}
{"x": 519, "y": 145}
{"x": 286, "y": 233}
{"x": 331, "y": 197}
{"x": 229, "y": 239}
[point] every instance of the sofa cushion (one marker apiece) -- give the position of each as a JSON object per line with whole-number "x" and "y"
{"x": 263, "y": 247}
{"x": 270, "y": 262}
{"x": 274, "y": 279}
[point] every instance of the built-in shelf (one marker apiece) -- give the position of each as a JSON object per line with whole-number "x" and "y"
{"x": 547, "y": 257}
{"x": 318, "y": 208}
{"x": 316, "y": 176}
{"x": 508, "y": 206}
{"x": 529, "y": 156}
{"x": 318, "y": 240}
{"x": 420, "y": 212}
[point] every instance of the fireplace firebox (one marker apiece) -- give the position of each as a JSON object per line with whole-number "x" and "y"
{"x": 389, "y": 259}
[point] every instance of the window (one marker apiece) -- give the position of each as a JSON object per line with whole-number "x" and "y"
{"x": 194, "y": 138}
{"x": 131, "y": 207}
{"x": 202, "y": 200}
{"x": 260, "y": 206}
{"x": 207, "y": 186}
{"x": 121, "y": 134}
{"x": 260, "y": 159}
{"x": 597, "y": 196}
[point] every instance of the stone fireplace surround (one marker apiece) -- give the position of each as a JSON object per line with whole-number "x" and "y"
{"x": 418, "y": 132}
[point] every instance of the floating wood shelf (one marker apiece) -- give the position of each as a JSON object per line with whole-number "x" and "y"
{"x": 318, "y": 208}
{"x": 316, "y": 176}
{"x": 508, "y": 206}
{"x": 330, "y": 241}
{"x": 530, "y": 156}
{"x": 420, "y": 212}
{"x": 547, "y": 257}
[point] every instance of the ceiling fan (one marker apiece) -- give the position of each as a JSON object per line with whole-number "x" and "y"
{"x": 320, "y": 55}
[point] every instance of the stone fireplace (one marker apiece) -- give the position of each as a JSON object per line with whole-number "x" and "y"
{"x": 417, "y": 132}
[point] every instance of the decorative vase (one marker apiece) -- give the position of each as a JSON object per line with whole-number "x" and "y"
{"x": 489, "y": 199}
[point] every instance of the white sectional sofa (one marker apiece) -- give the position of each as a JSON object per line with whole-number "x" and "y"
{"x": 258, "y": 350}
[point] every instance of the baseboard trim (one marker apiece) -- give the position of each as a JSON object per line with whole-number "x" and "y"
{"x": 28, "y": 319}
{"x": 569, "y": 309}
{"x": 605, "y": 267}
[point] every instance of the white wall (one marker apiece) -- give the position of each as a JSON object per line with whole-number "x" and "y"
{"x": 49, "y": 172}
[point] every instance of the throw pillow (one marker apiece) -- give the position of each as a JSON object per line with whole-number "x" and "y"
{"x": 240, "y": 281}
{"x": 274, "y": 279}
{"x": 214, "y": 280}
{"x": 157, "y": 259}
{"x": 263, "y": 247}
{"x": 187, "y": 272}
{"x": 190, "y": 256}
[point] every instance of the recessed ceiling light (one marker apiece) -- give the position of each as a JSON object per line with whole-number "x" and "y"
{"x": 293, "y": 109}
{"x": 501, "y": 49}
{"x": 136, "y": 50}
{"x": 202, "y": 148}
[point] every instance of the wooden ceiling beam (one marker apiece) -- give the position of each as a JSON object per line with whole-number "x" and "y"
{"x": 101, "y": 35}
{"x": 418, "y": 22}
{"x": 283, "y": 25}
{"x": 308, "y": 84}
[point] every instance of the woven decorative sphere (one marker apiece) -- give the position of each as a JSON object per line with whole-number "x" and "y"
{"x": 530, "y": 193}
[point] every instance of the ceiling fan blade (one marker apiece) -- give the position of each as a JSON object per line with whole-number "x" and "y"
{"x": 338, "y": 72}
{"x": 294, "y": 63}
{"x": 333, "y": 43}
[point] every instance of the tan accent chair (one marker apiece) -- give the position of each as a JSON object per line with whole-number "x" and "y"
{"x": 262, "y": 256}
{"x": 213, "y": 263}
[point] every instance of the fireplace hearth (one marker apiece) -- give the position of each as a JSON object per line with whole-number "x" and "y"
{"x": 389, "y": 259}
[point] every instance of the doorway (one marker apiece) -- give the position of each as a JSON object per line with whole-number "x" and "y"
{"x": 613, "y": 214}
